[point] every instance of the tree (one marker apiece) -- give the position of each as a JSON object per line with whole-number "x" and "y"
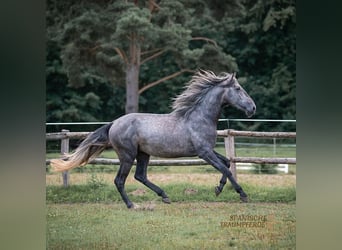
{"x": 93, "y": 44}
{"x": 107, "y": 41}
{"x": 264, "y": 45}
{"x": 92, "y": 102}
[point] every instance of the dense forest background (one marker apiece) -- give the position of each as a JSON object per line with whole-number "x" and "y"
{"x": 107, "y": 58}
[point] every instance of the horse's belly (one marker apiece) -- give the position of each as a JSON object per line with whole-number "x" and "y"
{"x": 167, "y": 147}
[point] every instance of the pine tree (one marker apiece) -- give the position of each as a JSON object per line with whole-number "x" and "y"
{"x": 95, "y": 47}
{"x": 114, "y": 40}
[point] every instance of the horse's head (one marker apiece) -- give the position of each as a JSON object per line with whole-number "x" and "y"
{"x": 236, "y": 96}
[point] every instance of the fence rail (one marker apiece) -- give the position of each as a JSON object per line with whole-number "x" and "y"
{"x": 229, "y": 142}
{"x": 221, "y": 133}
{"x": 227, "y": 132}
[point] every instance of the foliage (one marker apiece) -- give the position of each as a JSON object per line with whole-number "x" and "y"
{"x": 89, "y": 45}
{"x": 264, "y": 46}
{"x": 91, "y": 102}
{"x": 95, "y": 182}
{"x": 265, "y": 169}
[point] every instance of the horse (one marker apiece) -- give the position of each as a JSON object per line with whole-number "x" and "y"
{"x": 188, "y": 130}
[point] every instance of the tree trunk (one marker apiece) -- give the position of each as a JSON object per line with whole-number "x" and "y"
{"x": 132, "y": 75}
{"x": 132, "y": 88}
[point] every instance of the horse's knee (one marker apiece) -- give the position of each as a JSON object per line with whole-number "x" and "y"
{"x": 119, "y": 183}
{"x": 227, "y": 172}
{"x": 140, "y": 178}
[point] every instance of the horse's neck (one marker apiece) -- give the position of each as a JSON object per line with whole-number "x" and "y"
{"x": 210, "y": 108}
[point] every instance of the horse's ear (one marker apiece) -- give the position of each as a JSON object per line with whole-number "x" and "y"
{"x": 228, "y": 81}
{"x": 231, "y": 77}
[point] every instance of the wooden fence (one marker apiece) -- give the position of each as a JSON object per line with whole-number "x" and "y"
{"x": 229, "y": 142}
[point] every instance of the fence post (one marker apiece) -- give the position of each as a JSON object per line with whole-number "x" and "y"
{"x": 65, "y": 150}
{"x": 229, "y": 144}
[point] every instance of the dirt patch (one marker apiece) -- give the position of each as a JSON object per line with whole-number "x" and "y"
{"x": 144, "y": 207}
{"x": 138, "y": 192}
{"x": 190, "y": 191}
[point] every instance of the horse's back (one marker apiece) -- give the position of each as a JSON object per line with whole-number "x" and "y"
{"x": 156, "y": 134}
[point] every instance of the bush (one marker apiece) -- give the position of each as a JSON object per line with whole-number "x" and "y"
{"x": 95, "y": 182}
{"x": 265, "y": 169}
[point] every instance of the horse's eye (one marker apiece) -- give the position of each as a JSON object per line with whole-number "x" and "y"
{"x": 237, "y": 88}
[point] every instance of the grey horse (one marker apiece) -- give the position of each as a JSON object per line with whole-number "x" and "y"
{"x": 189, "y": 130}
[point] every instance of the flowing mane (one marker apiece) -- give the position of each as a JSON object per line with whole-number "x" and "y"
{"x": 196, "y": 89}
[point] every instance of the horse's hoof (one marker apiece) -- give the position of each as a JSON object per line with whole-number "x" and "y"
{"x": 166, "y": 200}
{"x": 244, "y": 199}
{"x": 130, "y": 206}
{"x": 217, "y": 190}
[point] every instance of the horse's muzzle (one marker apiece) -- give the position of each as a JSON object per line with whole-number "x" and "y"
{"x": 251, "y": 111}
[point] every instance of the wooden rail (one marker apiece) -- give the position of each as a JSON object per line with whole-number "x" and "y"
{"x": 229, "y": 141}
{"x": 66, "y": 134}
{"x": 227, "y": 132}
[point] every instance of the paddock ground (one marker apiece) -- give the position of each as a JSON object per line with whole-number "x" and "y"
{"x": 194, "y": 225}
{"x": 180, "y": 225}
{"x": 210, "y": 179}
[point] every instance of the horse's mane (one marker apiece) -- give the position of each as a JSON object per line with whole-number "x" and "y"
{"x": 195, "y": 91}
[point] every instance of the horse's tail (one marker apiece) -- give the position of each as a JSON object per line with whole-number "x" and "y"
{"x": 91, "y": 147}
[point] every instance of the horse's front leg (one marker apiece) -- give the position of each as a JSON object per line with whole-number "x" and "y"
{"x": 222, "y": 164}
{"x": 226, "y": 162}
{"x": 223, "y": 159}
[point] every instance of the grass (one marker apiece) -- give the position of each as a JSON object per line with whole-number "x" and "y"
{"x": 198, "y": 225}
{"x": 98, "y": 187}
{"x": 89, "y": 214}
{"x": 179, "y": 192}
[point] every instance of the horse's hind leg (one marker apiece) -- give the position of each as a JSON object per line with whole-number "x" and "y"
{"x": 141, "y": 175}
{"x": 120, "y": 179}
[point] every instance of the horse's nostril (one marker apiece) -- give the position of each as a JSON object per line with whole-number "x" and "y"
{"x": 254, "y": 108}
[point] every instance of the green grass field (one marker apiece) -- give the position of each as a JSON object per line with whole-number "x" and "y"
{"x": 195, "y": 225}
{"x": 89, "y": 214}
